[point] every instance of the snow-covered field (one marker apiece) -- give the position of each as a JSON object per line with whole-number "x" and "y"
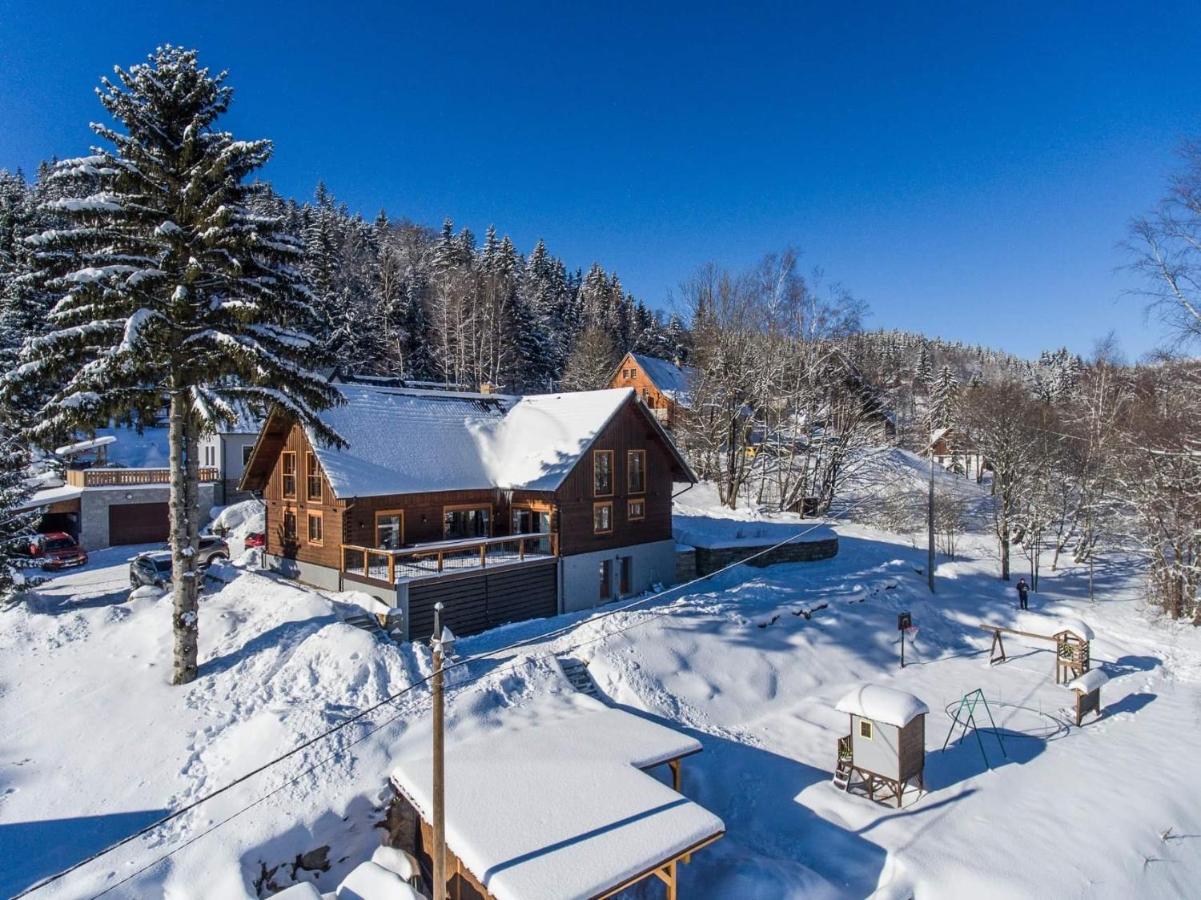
{"x": 95, "y": 743}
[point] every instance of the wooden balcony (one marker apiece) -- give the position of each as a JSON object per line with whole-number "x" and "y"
{"x": 443, "y": 557}
{"x": 91, "y": 478}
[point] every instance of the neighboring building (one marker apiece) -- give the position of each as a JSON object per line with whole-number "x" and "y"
{"x": 114, "y": 489}
{"x": 505, "y": 508}
{"x": 954, "y": 451}
{"x": 664, "y": 386}
{"x": 228, "y": 450}
{"x": 556, "y": 805}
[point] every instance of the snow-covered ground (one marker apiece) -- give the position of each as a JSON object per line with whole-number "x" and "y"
{"x": 96, "y": 743}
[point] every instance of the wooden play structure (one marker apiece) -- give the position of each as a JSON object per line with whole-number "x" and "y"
{"x": 1071, "y": 649}
{"x": 1087, "y": 689}
{"x": 886, "y": 749}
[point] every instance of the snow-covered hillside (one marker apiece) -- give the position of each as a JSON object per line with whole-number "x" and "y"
{"x": 96, "y": 743}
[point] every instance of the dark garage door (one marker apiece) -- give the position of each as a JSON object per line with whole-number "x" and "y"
{"x": 138, "y": 523}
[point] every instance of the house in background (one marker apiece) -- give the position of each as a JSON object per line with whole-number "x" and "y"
{"x": 503, "y": 508}
{"x": 228, "y": 451}
{"x": 113, "y": 488}
{"x": 954, "y": 451}
{"x": 664, "y": 386}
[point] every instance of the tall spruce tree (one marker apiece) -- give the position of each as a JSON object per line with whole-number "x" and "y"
{"x": 182, "y": 295}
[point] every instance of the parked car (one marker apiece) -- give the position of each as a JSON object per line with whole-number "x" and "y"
{"x": 154, "y": 568}
{"x": 57, "y": 550}
{"x": 255, "y": 540}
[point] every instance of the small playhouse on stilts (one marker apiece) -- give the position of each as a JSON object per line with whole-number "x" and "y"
{"x": 885, "y": 753}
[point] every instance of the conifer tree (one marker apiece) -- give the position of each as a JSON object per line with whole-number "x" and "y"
{"x": 14, "y": 521}
{"x": 183, "y": 295}
{"x": 943, "y": 396}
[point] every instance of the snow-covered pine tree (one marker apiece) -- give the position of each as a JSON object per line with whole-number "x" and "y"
{"x": 944, "y": 394}
{"x": 14, "y": 521}
{"x": 183, "y": 296}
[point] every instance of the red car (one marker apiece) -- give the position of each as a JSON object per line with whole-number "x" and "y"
{"x": 255, "y": 540}
{"x": 57, "y": 550}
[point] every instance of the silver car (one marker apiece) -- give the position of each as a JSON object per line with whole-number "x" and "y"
{"x": 154, "y": 568}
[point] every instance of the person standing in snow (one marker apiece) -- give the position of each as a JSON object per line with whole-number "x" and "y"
{"x": 1023, "y": 594}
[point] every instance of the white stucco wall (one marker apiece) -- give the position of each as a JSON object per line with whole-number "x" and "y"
{"x": 579, "y": 574}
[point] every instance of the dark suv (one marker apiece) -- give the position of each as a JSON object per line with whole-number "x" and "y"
{"x": 154, "y": 568}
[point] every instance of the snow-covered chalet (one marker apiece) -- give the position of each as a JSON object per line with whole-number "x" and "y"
{"x": 502, "y": 508}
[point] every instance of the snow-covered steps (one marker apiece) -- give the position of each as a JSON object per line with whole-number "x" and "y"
{"x": 367, "y": 622}
{"x": 579, "y": 677}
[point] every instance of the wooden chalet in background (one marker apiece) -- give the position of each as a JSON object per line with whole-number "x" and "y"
{"x": 503, "y": 508}
{"x": 665, "y": 387}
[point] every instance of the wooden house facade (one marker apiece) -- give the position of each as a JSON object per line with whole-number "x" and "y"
{"x": 662, "y": 385}
{"x": 494, "y": 521}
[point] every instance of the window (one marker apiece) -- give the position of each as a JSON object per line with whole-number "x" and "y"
{"x": 289, "y": 473}
{"x": 389, "y": 529}
{"x": 865, "y": 729}
{"x": 316, "y": 528}
{"x": 627, "y": 571}
{"x": 461, "y": 522}
{"x": 636, "y": 510}
{"x": 289, "y": 525}
{"x": 602, "y": 473}
{"x": 209, "y": 452}
{"x": 602, "y": 518}
{"x": 312, "y": 477}
{"x": 247, "y": 452}
{"x": 606, "y": 579}
{"x": 528, "y": 520}
{"x": 636, "y": 471}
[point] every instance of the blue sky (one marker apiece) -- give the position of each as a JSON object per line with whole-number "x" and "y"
{"x": 968, "y": 172}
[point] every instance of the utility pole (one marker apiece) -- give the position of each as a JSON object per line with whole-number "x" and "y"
{"x": 439, "y": 779}
{"x": 930, "y": 525}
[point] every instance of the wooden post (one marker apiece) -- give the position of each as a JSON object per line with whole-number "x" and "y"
{"x": 391, "y": 569}
{"x": 483, "y": 556}
{"x": 439, "y": 775}
{"x": 366, "y": 564}
{"x": 675, "y": 774}
{"x": 521, "y": 548}
{"x": 439, "y": 560}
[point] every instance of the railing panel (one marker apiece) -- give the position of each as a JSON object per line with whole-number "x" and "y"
{"x": 427, "y": 560}
{"x": 130, "y": 477}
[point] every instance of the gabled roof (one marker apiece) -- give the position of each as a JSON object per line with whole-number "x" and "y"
{"x": 405, "y": 441}
{"x": 673, "y": 380}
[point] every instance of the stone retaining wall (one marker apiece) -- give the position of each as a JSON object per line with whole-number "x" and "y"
{"x": 709, "y": 559}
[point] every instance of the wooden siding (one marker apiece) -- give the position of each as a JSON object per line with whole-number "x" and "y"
{"x": 629, "y": 430}
{"x": 478, "y": 601}
{"x": 646, "y": 389}
{"x": 912, "y": 742}
{"x": 328, "y": 552}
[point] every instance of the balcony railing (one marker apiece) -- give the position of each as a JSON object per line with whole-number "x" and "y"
{"x": 443, "y": 557}
{"x": 87, "y": 478}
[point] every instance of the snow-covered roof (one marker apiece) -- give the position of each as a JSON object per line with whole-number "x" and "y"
{"x": 402, "y": 441}
{"x": 90, "y": 444}
{"x": 882, "y": 704}
{"x": 248, "y": 420}
{"x": 540, "y": 439}
{"x": 48, "y": 496}
{"x": 1089, "y": 681}
{"x": 673, "y": 380}
{"x": 554, "y": 805}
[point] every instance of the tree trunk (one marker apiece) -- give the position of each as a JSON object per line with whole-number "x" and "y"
{"x": 184, "y": 511}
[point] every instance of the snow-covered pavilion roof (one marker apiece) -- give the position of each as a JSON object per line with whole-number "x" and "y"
{"x": 882, "y": 704}
{"x": 405, "y": 441}
{"x": 555, "y": 805}
{"x": 673, "y": 380}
